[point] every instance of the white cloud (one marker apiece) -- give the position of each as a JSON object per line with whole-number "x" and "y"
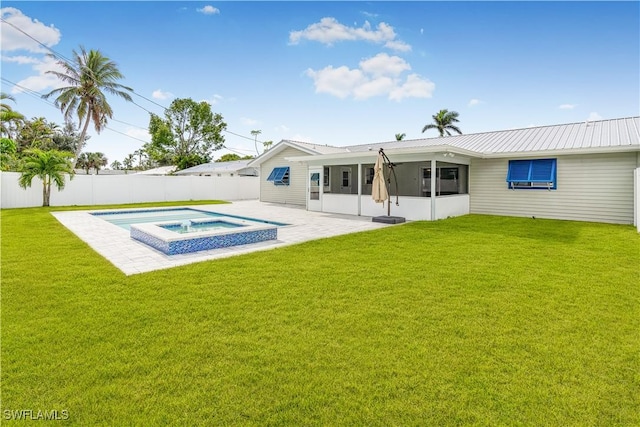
{"x": 376, "y": 76}
{"x": 13, "y": 39}
{"x": 398, "y": 45}
{"x": 159, "y": 94}
{"x": 329, "y": 30}
{"x": 567, "y": 106}
{"x": 41, "y": 81}
{"x": 21, "y": 59}
{"x": 473, "y": 102}
{"x": 383, "y": 65}
{"x": 375, "y": 87}
{"x": 248, "y": 122}
{"x": 282, "y": 128}
{"x": 414, "y": 87}
{"x": 339, "y": 81}
{"x": 209, "y": 10}
{"x": 594, "y": 117}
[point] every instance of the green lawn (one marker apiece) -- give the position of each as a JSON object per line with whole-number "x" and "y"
{"x": 476, "y": 320}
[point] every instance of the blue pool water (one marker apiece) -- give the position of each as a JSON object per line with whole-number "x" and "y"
{"x": 195, "y": 227}
{"x": 124, "y": 219}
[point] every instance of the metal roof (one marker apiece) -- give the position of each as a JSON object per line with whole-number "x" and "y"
{"x": 590, "y": 136}
{"x": 232, "y": 166}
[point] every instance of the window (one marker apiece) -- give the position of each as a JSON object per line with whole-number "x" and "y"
{"x": 279, "y": 176}
{"x": 314, "y": 186}
{"x": 346, "y": 178}
{"x": 368, "y": 175}
{"x": 536, "y": 174}
{"x": 327, "y": 177}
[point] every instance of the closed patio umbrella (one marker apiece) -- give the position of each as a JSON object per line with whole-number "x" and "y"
{"x": 379, "y": 189}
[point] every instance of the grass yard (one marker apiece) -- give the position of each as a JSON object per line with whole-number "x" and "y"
{"x": 476, "y": 320}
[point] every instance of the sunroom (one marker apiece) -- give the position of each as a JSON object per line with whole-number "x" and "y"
{"x": 342, "y": 183}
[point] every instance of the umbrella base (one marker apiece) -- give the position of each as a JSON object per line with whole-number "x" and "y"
{"x": 388, "y": 219}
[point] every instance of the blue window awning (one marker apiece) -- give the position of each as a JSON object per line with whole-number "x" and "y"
{"x": 536, "y": 173}
{"x": 279, "y": 176}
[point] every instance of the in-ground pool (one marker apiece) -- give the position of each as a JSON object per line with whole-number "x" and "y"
{"x": 176, "y": 231}
{"x": 124, "y": 218}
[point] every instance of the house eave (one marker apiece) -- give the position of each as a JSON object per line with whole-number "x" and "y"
{"x": 562, "y": 152}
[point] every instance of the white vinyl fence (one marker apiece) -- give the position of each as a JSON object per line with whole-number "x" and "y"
{"x": 131, "y": 188}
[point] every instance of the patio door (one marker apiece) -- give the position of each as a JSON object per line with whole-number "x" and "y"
{"x": 314, "y": 200}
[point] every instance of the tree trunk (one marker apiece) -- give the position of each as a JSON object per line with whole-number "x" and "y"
{"x": 46, "y": 192}
{"x": 83, "y": 134}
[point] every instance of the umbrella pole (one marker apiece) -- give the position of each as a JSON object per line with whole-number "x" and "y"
{"x": 389, "y": 219}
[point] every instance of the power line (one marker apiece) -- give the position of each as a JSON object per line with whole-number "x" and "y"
{"x": 68, "y": 61}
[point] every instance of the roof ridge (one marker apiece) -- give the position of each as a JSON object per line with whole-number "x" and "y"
{"x": 492, "y": 131}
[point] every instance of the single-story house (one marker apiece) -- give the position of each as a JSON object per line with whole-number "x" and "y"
{"x": 578, "y": 171}
{"x": 219, "y": 169}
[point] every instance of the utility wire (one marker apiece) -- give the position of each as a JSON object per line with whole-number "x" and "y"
{"x": 64, "y": 58}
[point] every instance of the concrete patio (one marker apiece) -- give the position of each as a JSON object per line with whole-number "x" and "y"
{"x": 133, "y": 257}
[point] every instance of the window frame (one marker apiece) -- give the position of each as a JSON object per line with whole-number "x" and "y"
{"x": 530, "y": 174}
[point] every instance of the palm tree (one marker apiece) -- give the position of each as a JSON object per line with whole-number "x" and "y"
{"x": 267, "y": 145}
{"x": 128, "y": 162}
{"x": 444, "y": 121}
{"x": 9, "y": 119}
{"x": 82, "y": 161}
{"x": 97, "y": 160}
{"x": 89, "y": 76}
{"x": 116, "y": 165}
{"x": 50, "y": 166}
{"x": 255, "y": 133}
{"x": 400, "y": 136}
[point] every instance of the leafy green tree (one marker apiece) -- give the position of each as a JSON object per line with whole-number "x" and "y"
{"x": 8, "y": 154}
{"x": 50, "y": 166}
{"x": 187, "y": 135}
{"x": 267, "y": 145}
{"x": 68, "y": 139}
{"x": 37, "y": 133}
{"x": 444, "y": 121}
{"x": 400, "y": 136}
{"x": 229, "y": 157}
{"x": 88, "y": 77}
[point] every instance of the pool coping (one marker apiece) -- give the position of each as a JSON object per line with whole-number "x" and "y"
{"x": 132, "y": 257}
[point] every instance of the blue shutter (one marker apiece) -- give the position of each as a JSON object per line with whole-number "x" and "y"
{"x": 519, "y": 170}
{"x": 542, "y": 170}
{"x": 272, "y": 174}
{"x": 279, "y": 176}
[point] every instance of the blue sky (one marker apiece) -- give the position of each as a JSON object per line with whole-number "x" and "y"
{"x": 337, "y": 73}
